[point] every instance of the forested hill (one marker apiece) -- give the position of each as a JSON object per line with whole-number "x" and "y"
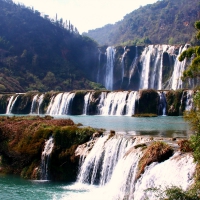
{"x": 164, "y": 22}
{"x": 37, "y": 53}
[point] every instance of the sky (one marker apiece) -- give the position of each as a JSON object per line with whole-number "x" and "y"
{"x": 86, "y": 14}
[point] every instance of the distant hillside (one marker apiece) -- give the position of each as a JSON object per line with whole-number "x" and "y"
{"x": 164, "y": 22}
{"x": 37, "y": 53}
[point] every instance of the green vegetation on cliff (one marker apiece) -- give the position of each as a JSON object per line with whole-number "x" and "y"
{"x": 164, "y": 22}
{"x": 38, "y": 53}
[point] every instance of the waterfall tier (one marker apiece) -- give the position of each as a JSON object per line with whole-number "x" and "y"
{"x": 151, "y": 67}
{"x": 103, "y": 103}
{"x": 113, "y": 164}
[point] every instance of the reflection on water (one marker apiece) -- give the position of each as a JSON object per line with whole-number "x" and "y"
{"x": 164, "y": 126}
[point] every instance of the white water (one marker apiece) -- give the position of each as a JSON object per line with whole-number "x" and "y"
{"x": 177, "y": 171}
{"x": 98, "y": 166}
{"x": 163, "y": 103}
{"x": 110, "y": 52}
{"x": 179, "y": 67}
{"x": 86, "y": 103}
{"x": 145, "y": 60}
{"x": 113, "y": 164}
{"x": 67, "y": 99}
{"x": 152, "y": 66}
{"x": 130, "y": 106}
{"x": 114, "y": 103}
{"x": 36, "y": 103}
{"x": 49, "y": 144}
{"x": 60, "y": 104}
{"x": 33, "y": 105}
{"x": 11, "y": 104}
{"x": 189, "y": 101}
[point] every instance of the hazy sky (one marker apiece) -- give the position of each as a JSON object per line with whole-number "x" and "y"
{"x": 86, "y": 14}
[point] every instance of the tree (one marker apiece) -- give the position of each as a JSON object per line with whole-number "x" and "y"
{"x": 193, "y": 70}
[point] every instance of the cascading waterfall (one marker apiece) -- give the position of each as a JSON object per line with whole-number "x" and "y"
{"x": 86, "y": 103}
{"x": 177, "y": 171}
{"x": 36, "y": 103}
{"x": 66, "y": 102}
{"x": 152, "y": 66}
{"x": 11, "y": 104}
{"x": 33, "y": 105}
{"x": 164, "y": 49}
{"x": 114, "y": 103}
{"x": 60, "y": 104}
{"x": 98, "y": 166}
{"x": 189, "y": 100}
{"x": 49, "y": 144}
{"x": 54, "y": 106}
{"x": 110, "y": 52}
{"x": 157, "y": 64}
{"x": 179, "y": 67}
{"x": 113, "y": 164}
{"x": 162, "y": 104}
{"x": 145, "y": 60}
{"x": 130, "y": 107}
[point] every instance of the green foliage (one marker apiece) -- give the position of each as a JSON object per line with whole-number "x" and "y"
{"x": 39, "y": 54}
{"x": 175, "y": 193}
{"x": 194, "y": 68}
{"x": 164, "y": 22}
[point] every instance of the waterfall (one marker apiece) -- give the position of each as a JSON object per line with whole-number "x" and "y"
{"x": 40, "y": 100}
{"x": 189, "y": 100}
{"x": 133, "y": 65}
{"x": 36, "y": 103}
{"x": 45, "y": 158}
{"x": 60, "y": 104}
{"x": 176, "y": 171}
{"x": 113, "y": 164}
{"x": 65, "y": 104}
{"x": 114, "y": 103}
{"x": 98, "y": 166}
{"x": 11, "y": 104}
{"x": 162, "y": 104}
{"x": 101, "y": 102}
{"x": 179, "y": 67}
{"x": 152, "y": 66}
{"x": 130, "y": 107}
{"x": 86, "y": 103}
{"x": 33, "y": 105}
{"x": 110, "y": 52}
{"x": 146, "y": 61}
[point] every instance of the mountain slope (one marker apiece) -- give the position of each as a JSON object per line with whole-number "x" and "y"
{"x": 164, "y": 22}
{"x": 40, "y": 54}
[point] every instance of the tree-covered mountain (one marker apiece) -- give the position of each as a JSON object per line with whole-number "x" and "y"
{"x": 37, "y": 53}
{"x": 164, "y": 22}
